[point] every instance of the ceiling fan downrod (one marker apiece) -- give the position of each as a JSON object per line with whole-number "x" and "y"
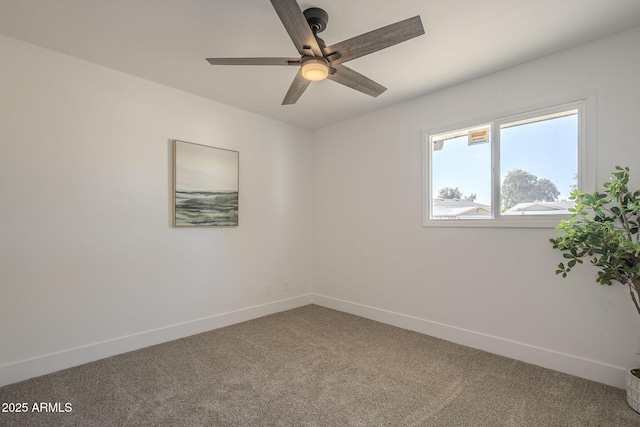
{"x": 317, "y": 19}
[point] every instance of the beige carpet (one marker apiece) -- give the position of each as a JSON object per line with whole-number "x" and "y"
{"x": 315, "y": 367}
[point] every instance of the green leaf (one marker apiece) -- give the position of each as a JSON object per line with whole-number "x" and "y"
{"x": 603, "y": 226}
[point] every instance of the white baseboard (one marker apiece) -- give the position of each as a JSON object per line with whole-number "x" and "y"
{"x": 566, "y": 363}
{"x": 46, "y": 364}
{"x": 573, "y": 365}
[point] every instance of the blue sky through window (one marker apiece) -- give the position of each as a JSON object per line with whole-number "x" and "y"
{"x": 547, "y": 149}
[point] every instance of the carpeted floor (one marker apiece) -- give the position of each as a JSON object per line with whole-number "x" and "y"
{"x": 314, "y": 367}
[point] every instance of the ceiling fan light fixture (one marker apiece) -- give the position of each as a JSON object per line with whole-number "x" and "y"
{"x": 315, "y": 69}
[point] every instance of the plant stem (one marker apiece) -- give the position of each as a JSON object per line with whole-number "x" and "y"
{"x": 633, "y": 290}
{"x": 623, "y": 217}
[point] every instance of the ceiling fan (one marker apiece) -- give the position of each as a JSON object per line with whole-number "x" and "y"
{"x": 318, "y": 61}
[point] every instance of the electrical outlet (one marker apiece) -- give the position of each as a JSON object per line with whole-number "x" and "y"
{"x": 285, "y": 286}
{"x": 267, "y": 289}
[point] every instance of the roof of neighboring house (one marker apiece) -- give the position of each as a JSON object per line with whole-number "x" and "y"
{"x": 464, "y": 208}
{"x": 541, "y": 208}
{"x": 456, "y": 208}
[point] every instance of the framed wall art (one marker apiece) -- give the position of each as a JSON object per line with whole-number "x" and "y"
{"x": 205, "y": 185}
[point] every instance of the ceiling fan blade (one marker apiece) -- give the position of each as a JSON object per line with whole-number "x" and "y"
{"x": 254, "y": 61}
{"x": 296, "y": 25}
{"x": 375, "y": 40}
{"x": 296, "y": 89}
{"x": 357, "y": 81}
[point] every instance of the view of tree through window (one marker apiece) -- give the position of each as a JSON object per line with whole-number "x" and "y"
{"x": 539, "y": 163}
{"x": 536, "y": 172}
{"x": 523, "y": 187}
{"x": 454, "y": 193}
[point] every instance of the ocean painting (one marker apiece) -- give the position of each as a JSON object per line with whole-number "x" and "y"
{"x": 205, "y": 185}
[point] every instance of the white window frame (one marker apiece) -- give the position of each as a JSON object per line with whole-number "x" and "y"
{"x": 586, "y": 163}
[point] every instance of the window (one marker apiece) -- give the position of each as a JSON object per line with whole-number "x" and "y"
{"x": 510, "y": 171}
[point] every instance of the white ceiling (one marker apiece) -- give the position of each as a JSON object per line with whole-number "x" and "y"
{"x": 167, "y": 41}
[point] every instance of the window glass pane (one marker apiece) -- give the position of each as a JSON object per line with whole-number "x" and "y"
{"x": 461, "y": 174}
{"x": 538, "y": 164}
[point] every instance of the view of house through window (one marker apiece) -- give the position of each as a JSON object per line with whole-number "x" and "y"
{"x": 524, "y": 166}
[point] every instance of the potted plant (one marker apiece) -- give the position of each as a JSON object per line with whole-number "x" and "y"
{"x": 604, "y": 227}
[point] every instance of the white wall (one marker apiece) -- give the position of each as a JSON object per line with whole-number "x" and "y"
{"x": 89, "y": 263}
{"x": 488, "y": 288}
